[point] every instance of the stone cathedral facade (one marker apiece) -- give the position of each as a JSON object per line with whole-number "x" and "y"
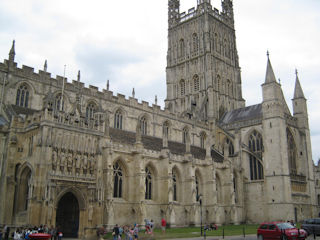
{"x": 76, "y": 157}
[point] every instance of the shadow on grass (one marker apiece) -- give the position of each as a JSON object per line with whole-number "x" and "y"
{"x": 190, "y": 232}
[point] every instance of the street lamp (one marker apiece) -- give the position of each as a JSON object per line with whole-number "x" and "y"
{"x": 199, "y": 198}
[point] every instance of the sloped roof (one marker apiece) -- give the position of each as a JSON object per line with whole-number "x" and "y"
{"x": 154, "y": 143}
{"x": 16, "y": 110}
{"x": 3, "y": 121}
{"x": 242, "y": 114}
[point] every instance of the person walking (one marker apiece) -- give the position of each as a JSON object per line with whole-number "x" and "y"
{"x": 115, "y": 232}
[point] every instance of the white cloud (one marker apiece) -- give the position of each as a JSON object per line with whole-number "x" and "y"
{"x": 125, "y": 41}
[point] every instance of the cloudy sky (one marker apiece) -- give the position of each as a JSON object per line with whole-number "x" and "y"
{"x": 125, "y": 41}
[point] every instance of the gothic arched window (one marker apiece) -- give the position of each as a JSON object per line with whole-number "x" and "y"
{"x": 22, "y": 98}
{"x": 291, "y": 153}
{"x": 182, "y": 88}
{"x": 195, "y": 42}
{"x": 230, "y": 147}
{"x": 255, "y": 157}
{"x": 144, "y": 125}
{"x": 58, "y": 103}
{"x": 218, "y": 189}
{"x": 90, "y": 110}
{"x": 185, "y": 134}
{"x": 235, "y": 187}
{"x": 117, "y": 180}
{"x": 197, "y": 187}
{"x": 118, "y": 120}
{"x": 196, "y": 83}
{"x": 148, "y": 184}
{"x": 166, "y": 129}
{"x": 174, "y": 185}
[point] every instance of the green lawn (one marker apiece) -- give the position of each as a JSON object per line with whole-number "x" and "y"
{"x": 229, "y": 230}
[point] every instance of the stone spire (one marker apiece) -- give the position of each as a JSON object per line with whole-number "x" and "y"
{"x": 133, "y": 93}
{"x": 298, "y": 93}
{"x": 45, "y": 67}
{"x": 78, "y": 78}
{"x": 270, "y": 77}
{"x": 108, "y": 85}
{"x": 12, "y": 52}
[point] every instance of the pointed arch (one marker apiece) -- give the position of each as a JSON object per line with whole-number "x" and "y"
{"x": 118, "y": 118}
{"x": 166, "y": 129}
{"x": 203, "y": 137}
{"x": 176, "y": 184}
{"x": 76, "y": 192}
{"x": 255, "y": 145}
{"x": 218, "y": 189}
{"x": 120, "y": 179}
{"x": 144, "y": 123}
{"x": 196, "y": 83}
{"x": 185, "y": 134}
{"x": 23, "y": 95}
{"x": 198, "y": 183}
{"x": 24, "y": 187}
{"x": 91, "y": 109}
{"x": 228, "y": 147}
{"x": 182, "y": 86}
{"x": 292, "y": 152}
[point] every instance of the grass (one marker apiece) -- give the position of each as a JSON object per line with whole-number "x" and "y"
{"x": 189, "y": 232}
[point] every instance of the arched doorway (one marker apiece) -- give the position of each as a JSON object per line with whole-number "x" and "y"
{"x": 67, "y": 218}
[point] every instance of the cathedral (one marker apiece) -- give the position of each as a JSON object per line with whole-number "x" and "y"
{"x": 80, "y": 158}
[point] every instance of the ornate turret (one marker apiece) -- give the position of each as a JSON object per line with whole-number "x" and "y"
{"x": 173, "y": 12}
{"x": 12, "y": 52}
{"x": 227, "y": 10}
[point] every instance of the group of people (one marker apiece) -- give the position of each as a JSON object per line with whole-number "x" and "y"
{"x": 125, "y": 232}
{"x": 132, "y": 232}
{"x": 23, "y": 233}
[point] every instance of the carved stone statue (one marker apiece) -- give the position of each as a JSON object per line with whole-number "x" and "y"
{"x": 69, "y": 162}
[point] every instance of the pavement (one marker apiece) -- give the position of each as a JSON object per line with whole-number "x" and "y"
{"x": 240, "y": 237}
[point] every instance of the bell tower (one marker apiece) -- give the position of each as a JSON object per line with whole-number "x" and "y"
{"x": 203, "y": 74}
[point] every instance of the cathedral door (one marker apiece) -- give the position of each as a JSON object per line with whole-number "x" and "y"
{"x": 67, "y": 219}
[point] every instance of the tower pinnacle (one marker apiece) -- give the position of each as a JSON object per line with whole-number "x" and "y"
{"x": 12, "y": 52}
{"x": 173, "y": 12}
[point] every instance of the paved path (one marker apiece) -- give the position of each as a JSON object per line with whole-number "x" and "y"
{"x": 248, "y": 237}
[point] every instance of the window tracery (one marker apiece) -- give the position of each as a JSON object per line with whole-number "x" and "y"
{"x": 255, "y": 157}
{"x": 118, "y": 119}
{"x": 90, "y": 110}
{"x": 292, "y": 152}
{"x": 182, "y": 88}
{"x": 22, "y": 98}
{"x": 59, "y": 103}
{"x": 196, "y": 83}
{"x": 185, "y": 134}
{"x": 144, "y": 125}
{"x": 148, "y": 194}
{"x": 117, "y": 180}
{"x": 174, "y": 185}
